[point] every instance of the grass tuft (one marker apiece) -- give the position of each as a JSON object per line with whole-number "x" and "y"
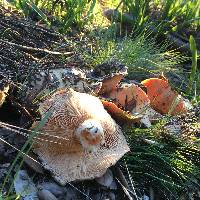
{"x": 166, "y": 162}
{"x": 141, "y": 54}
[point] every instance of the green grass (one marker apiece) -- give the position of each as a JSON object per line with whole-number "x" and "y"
{"x": 172, "y": 16}
{"x": 180, "y": 13}
{"x": 143, "y": 56}
{"x": 168, "y": 163}
{"x": 63, "y": 15}
{"x": 193, "y": 85}
{"x": 139, "y": 10}
{"x": 140, "y": 53}
{"x": 192, "y": 78}
{"x": 24, "y": 150}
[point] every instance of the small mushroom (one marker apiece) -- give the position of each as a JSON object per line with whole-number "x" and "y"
{"x": 91, "y": 141}
{"x": 131, "y": 97}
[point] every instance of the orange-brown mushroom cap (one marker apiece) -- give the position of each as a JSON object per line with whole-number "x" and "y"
{"x": 163, "y": 98}
{"x": 131, "y": 97}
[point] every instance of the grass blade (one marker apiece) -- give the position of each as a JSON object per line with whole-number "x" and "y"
{"x": 22, "y": 151}
{"x": 192, "y": 78}
{"x": 39, "y": 12}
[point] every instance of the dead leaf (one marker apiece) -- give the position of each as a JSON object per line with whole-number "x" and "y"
{"x": 3, "y": 94}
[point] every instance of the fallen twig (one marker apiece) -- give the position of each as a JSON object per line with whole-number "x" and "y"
{"x": 36, "y": 49}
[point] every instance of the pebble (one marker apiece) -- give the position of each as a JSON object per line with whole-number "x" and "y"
{"x": 104, "y": 196}
{"x": 46, "y": 195}
{"x": 105, "y": 180}
{"x": 24, "y": 186}
{"x": 54, "y": 188}
{"x": 145, "y": 197}
{"x": 71, "y": 194}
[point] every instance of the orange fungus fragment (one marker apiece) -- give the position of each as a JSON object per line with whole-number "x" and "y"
{"x": 163, "y": 99}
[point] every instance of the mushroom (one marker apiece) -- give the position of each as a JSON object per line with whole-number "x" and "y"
{"x": 163, "y": 99}
{"x": 91, "y": 141}
{"x": 129, "y": 97}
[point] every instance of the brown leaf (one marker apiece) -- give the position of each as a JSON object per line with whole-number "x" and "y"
{"x": 3, "y": 94}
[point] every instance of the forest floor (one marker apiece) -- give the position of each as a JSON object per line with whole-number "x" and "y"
{"x": 26, "y": 50}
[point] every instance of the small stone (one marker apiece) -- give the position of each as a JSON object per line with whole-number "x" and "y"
{"x": 106, "y": 179}
{"x": 145, "y": 197}
{"x": 24, "y": 186}
{"x": 113, "y": 185}
{"x": 46, "y": 195}
{"x": 53, "y": 187}
{"x": 71, "y": 194}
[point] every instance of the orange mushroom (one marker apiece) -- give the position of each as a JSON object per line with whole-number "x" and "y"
{"x": 118, "y": 114}
{"x": 131, "y": 97}
{"x": 110, "y": 83}
{"x": 163, "y": 99}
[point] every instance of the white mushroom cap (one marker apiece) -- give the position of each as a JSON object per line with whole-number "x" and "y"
{"x": 91, "y": 134}
{"x": 72, "y": 113}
